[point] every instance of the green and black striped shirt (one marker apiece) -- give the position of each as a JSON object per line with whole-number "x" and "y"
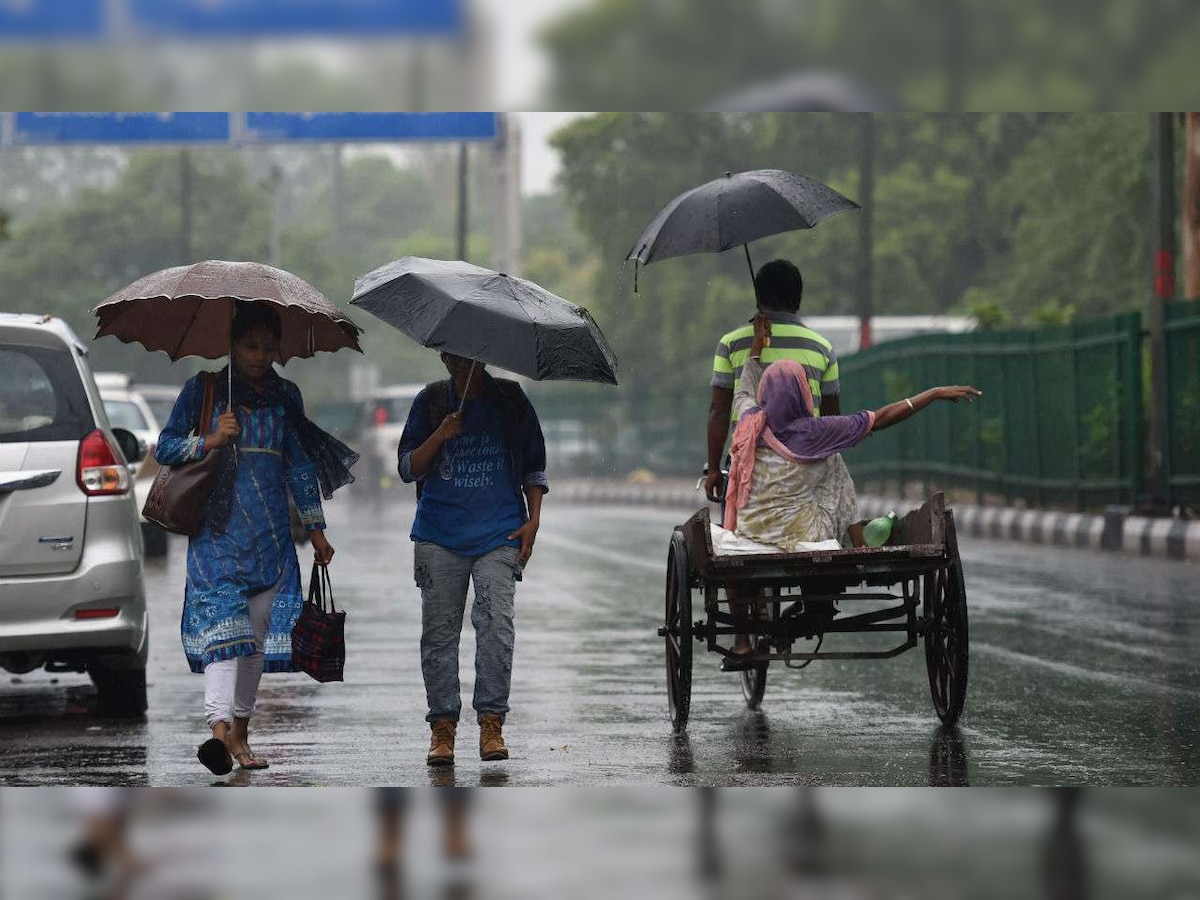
{"x": 790, "y": 339}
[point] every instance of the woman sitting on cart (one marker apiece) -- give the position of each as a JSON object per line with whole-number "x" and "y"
{"x": 788, "y": 485}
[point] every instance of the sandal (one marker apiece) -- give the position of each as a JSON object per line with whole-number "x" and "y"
{"x": 214, "y": 755}
{"x": 247, "y": 760}
{"x": 738, "y": 659}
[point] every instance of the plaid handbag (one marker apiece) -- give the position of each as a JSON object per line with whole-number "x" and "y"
{"x": 318, "y": 638}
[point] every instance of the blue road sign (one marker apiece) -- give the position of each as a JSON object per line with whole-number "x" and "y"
{"x": 45, "y": 20}
{"x": 120, "y": 128}
{"x": 251, "y": 18}
{"x": 52, "y": 19}
{"x": 447, "y": 126}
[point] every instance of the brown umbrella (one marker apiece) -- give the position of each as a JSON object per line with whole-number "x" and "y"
{"x": 187, "y": 310}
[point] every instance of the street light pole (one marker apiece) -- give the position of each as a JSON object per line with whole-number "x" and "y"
{"x": 1191, "y": 207}
{"x": 463, "y": 182}
{"x": 1162, "y": 142}
{"x": 339, "y": 199}
{"x": 185, "y": 207}
{"x": 866, "y": 190}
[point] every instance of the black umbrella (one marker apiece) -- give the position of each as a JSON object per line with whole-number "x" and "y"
{"x": 488, "y": 316}
{"x": 736, "y": 209}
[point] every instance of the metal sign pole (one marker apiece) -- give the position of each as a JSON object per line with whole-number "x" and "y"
{"x": 1162, "y": 229}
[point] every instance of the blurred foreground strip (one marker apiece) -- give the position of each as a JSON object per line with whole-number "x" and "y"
{"x": 603, "y": 843}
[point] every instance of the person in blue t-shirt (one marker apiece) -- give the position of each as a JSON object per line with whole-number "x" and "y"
{"x": 474, "y": 446}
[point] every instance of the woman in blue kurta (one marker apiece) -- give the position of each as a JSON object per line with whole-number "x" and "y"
{"x": 243, "y": 592}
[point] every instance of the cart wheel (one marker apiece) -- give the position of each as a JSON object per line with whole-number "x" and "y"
{"x": 946, "y": 640}
{"x": 754, "y": 684}
{"x": 679, "y": 633}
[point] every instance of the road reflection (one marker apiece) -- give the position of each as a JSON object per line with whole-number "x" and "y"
{"x": 948, "y": 758}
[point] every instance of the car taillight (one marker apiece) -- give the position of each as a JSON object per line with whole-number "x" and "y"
{"x": 101, "y": 471}
{"x": 381, "y": 415}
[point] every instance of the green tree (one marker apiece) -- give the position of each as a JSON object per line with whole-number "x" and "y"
{"x": 1074, "y": 203}
{"x": 69, "y": 258}
{"x": 116, "y": 216}
{"x": 1021, "y": 218}
{"x": 935, "y": 233}
{"x": 964, "y": 54}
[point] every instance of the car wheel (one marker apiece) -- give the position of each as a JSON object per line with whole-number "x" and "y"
{"x": 154, "y": 537}
{"x": 120, "y": 686}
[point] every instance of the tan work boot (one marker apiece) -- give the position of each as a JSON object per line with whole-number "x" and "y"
{"x": 491, "y": 740}
{"x": 441, "y": 743}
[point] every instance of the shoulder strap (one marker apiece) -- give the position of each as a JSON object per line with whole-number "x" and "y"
{"x": 512, "y": 400}
{"x": 206, "y": 406}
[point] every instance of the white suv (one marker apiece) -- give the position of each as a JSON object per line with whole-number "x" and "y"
{"x": 71, "y": 591}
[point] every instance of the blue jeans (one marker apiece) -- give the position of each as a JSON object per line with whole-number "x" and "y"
{"x": 443, "y": 576}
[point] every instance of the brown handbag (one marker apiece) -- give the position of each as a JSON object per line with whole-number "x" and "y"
{"x": 179, "y": 496}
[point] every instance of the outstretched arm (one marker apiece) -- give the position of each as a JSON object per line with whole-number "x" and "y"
{"x": 887, "y": 416}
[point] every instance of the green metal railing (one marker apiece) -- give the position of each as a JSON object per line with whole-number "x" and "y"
{"x": 1182, "y": 328}
{"x": 1059, "y": 422}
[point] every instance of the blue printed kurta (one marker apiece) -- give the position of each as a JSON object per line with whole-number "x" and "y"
{"x": 256, "y": 551}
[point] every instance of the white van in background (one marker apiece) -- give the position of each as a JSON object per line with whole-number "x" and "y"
{"x": 845, "y": 332}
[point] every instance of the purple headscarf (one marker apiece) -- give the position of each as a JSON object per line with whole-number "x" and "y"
{"x": 784, "y": 421}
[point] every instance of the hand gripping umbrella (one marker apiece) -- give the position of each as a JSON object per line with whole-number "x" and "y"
{"x": 736, "y": 209}
{"x": 187, "y": 311}
{"x": 489, "y": 317}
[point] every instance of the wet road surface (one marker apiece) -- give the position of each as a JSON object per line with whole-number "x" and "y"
{"x": 1083, "y": 670}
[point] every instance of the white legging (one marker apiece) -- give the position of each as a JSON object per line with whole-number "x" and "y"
{"x": 231, "y": 685}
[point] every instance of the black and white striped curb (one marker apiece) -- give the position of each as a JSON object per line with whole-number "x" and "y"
{"x": 1114, "y": 531}
{"x": 667, "y": 496}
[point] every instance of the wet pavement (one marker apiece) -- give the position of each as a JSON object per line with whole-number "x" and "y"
{"x": 1083, "y": 671}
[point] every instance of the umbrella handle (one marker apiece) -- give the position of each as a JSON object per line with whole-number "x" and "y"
{"x": 230, "y": 406}
{"x": 470, "y": 375}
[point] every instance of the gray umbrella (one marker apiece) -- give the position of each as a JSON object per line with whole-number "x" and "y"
{"x": 488, "y": 316}
{"x": 811, "y": 91}
{"x": 736, "y": 209}
{"x": 187, "y": 310}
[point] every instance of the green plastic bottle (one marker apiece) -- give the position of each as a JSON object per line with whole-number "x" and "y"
{"x": 877, "y": 531}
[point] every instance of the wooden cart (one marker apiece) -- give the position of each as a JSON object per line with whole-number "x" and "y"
{"x": 921, "y": 561}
